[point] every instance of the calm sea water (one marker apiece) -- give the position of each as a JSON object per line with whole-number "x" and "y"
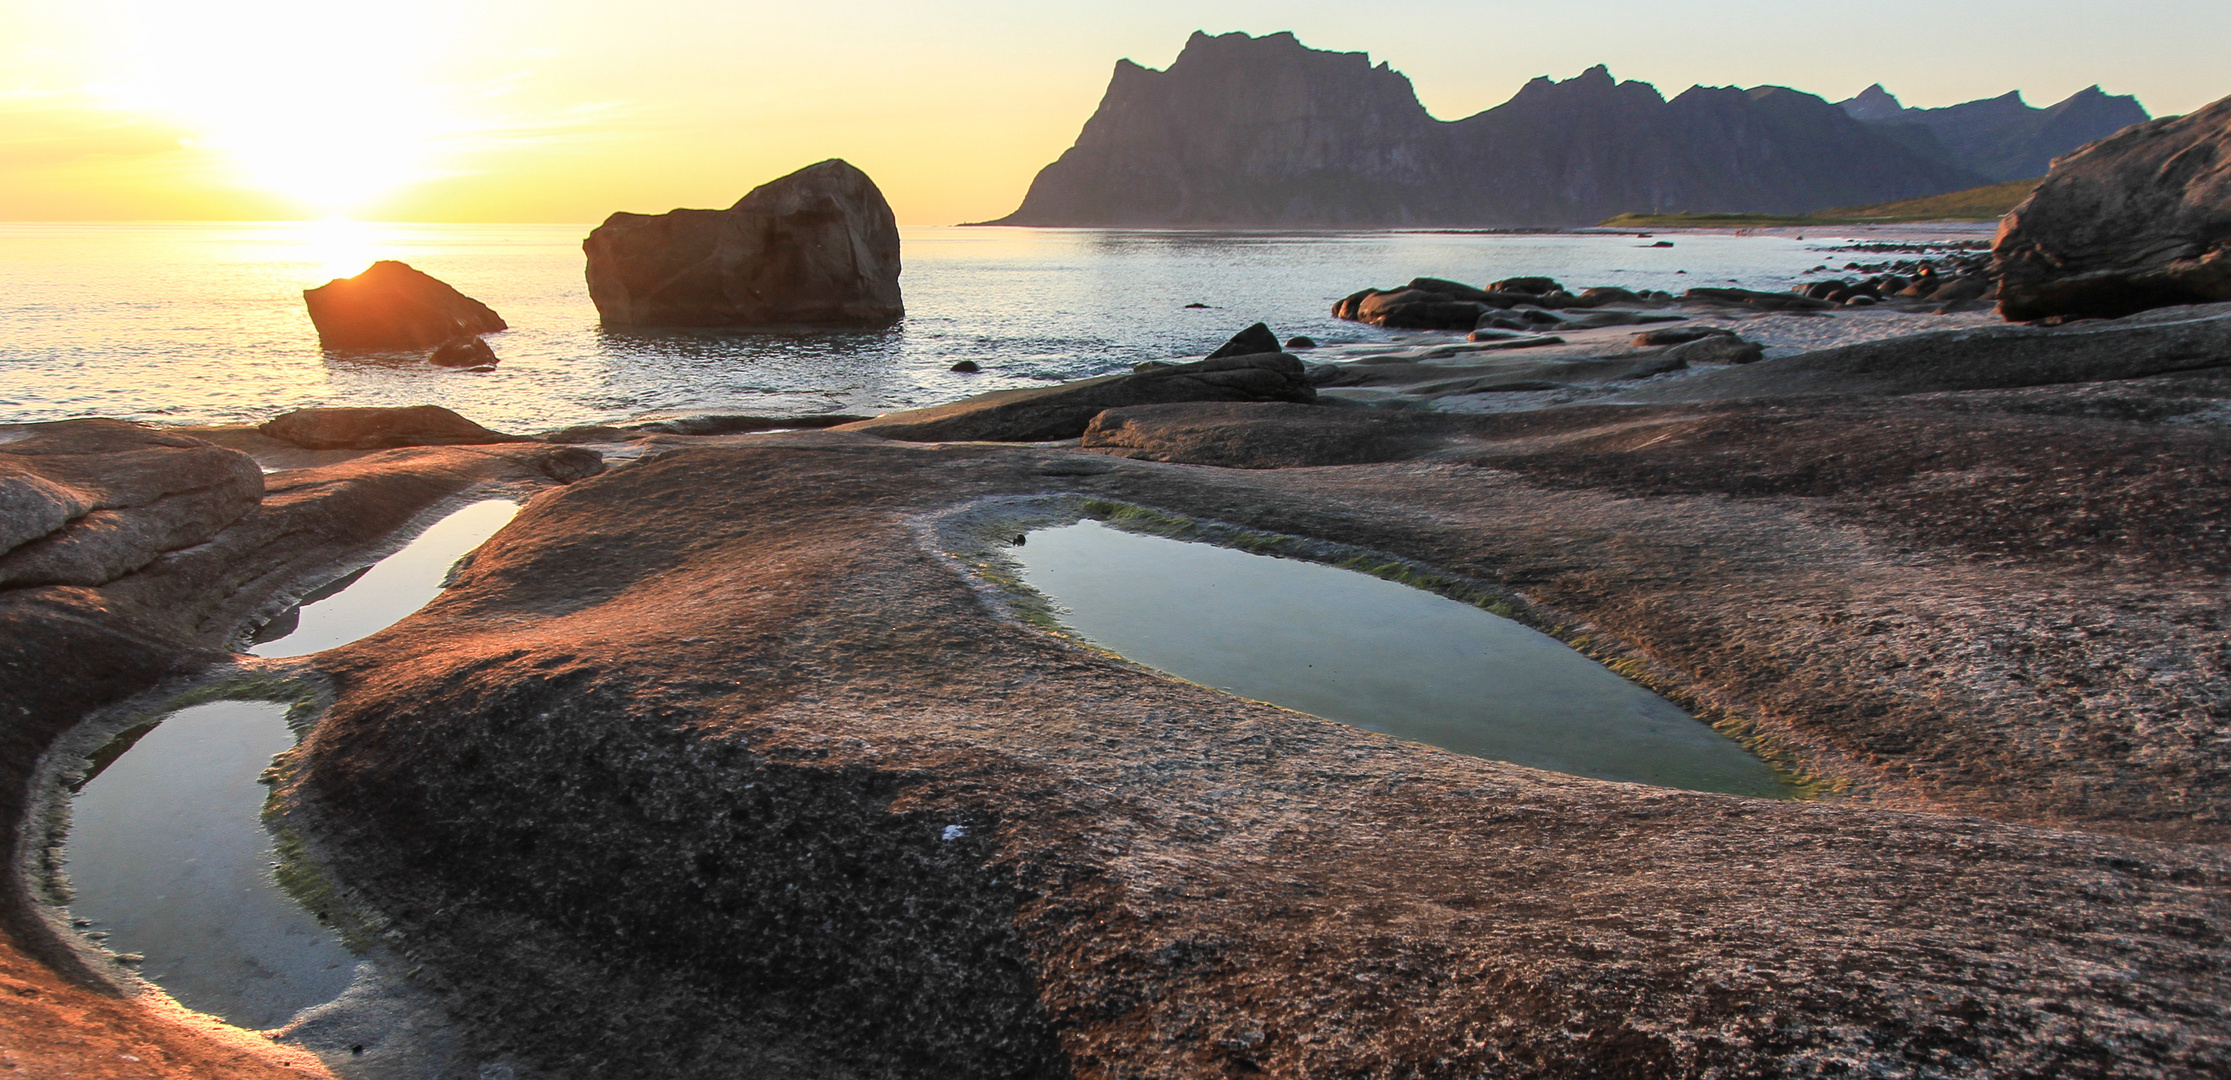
{"x": 204, "y": 323}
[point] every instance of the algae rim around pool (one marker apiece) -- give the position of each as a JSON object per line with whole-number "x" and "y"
{"x": 977, "y": 537}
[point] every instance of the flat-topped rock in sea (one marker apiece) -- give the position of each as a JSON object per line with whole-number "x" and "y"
{"x": 393, "y": 307}
{"x": 819, "y": 247}
{"x": 2136, "y": 221}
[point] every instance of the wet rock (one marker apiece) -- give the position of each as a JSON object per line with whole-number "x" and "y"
{"x": 84, "y": 502}
{"x": 1301, "y": 341}
{"x": 1764, "y": 301}
{"x": 966, "y": 367}
{"x": 1992, "y": 357}
{"x": 818, "y": 247}
{"x": 1063, "y": 412}
{"x": 1678, "y": 335}
{"x": 379, "y": 428}
{"x": 586, "y": 433}
{"x": 1719, "y": 349}
{"x": 1416, "y": 309}
{"x": 1535, "y": 285}
{"x": 463, "y": 353}
{"x": 1498, "y": 375}
{"x": 1605, "y": 294}
{"x": 1253, "y": 341}
{"x": 2139, "y": 220}
{"x": 393, "y": 307}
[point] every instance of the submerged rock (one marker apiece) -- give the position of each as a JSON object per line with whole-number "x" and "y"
{"x": 391, "y": 306}
{"x": 379, "y": 428}
{"x": 463, "y": 353}
{"x": 818, "y": 247}
{"x": 2139, "y": 220}
{"x": 1062, "y": 412}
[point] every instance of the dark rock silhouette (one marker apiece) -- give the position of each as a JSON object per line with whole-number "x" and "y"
{"x": 818, "y": 247}
{"x": 1063, "y": 411}
{"x": 391, "y": 306}
{"x": 2000, "y": 138}
{"x": 1249, "y": 342}
{"x": 463, "y": 352}
{"x": 2136, "y": 221}
{"x": 379, "y": 429}
{"x": 1268, "y": 132}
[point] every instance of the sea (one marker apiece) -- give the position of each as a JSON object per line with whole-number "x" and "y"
{"x": 203, "y": 323}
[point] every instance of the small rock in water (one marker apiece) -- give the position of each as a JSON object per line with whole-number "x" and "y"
{"x": 968, "y": 367}
{"x": 1301, "y": 341}
{"x": 1253, "y": 341}
{"x": 463, "y": 352}
{"x": 1665, "y": 243}
{"x": 391, "y": 306}
{"x": 1196, "y": 305}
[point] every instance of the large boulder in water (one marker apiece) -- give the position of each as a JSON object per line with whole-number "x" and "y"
{"x": 818, "y": 247}
{"x": 2141, "y": 219}
{"x": 391, "y": 306}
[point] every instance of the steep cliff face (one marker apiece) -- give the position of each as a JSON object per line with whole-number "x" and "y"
{"x": 1248, "y": 131}
{"x": 2001, "y": 138}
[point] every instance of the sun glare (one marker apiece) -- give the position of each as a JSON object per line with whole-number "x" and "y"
{"x": 311, "y": 101}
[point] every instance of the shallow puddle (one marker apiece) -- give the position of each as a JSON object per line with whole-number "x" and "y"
{"x": 166, "y": 851}
{"x": 395, "y": 586}
{"x": 1379, "y": 655}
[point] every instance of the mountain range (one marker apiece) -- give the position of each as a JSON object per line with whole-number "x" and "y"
{"x": 1259, "y": 132}
{"x": 1999, "y": 138}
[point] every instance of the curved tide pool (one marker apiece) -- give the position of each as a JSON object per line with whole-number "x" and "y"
{"x": 1376, "y": 654}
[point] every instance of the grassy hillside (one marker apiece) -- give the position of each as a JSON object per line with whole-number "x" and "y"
{"x": 1987, "y": 203}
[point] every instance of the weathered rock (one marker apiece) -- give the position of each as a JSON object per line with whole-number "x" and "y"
{"x": 726, "y": 424}
{"x": 1605, "y": 294}
{"x": 1535, "y": 285}
{"x": 1498, "y": 375}
{"x": 1966, "y": 287}
{"x": 1263, "y": 435}
{"x": 84, "y": 502}
{"x": 1253, "y": 341}
{"x": 1764, "y": 301}
{"x": 391, "y": 306}
{"x": 1417, "y": 309}
{"x": 1301, "y": 341}
{"x": 1719, "y": 349}
{"x": 379, "y": 428}
{"x": 1678, "y": 335}
{"x": 2141, "y": 219}
{"x": 818, "y": 247}
{"x": 463, "y": 353}
{"x": 1993, "y": 357}
{"x": 1601, "y": 317}
{"x": 1063, "y": 412}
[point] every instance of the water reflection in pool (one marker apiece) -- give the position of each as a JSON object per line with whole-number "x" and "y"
{"x": 167, "y": 854}
{"x": 1382, "y": 656}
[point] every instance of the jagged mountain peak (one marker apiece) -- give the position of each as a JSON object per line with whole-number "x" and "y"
{"x": 1873, "y": 103}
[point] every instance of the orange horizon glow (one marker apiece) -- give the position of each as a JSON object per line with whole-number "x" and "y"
{"x": 569, "y": 110}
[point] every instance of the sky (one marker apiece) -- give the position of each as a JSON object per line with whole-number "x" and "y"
{"x": 567, "y": 110}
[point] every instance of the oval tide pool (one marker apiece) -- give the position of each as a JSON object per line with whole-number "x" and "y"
{"x": 1379, "y": 655}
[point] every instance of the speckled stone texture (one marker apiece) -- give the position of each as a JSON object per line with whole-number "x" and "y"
{"x": 717, "y": 765}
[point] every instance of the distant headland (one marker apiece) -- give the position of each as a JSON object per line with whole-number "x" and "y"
{"x": 1265, "y": 132}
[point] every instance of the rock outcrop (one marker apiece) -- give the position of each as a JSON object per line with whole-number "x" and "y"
{"x": 84, "y": 502}
{"x": 818, "y": 247}
{"x": 1062, "y": 412}
{"x": 371, "y": 428}
{"x": 393, "y": 307}
{"x": 2137, "y": 221}
{"x": 1268, "y": 132}
{"x": 2000, "y": 138}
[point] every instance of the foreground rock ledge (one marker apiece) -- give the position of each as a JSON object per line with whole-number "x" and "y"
{"x": 667, "y": 789}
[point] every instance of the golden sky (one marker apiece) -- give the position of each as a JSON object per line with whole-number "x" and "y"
{"x": 566, "y": 110}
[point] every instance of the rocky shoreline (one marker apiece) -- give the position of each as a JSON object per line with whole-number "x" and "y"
{"x": 723, "y": 761}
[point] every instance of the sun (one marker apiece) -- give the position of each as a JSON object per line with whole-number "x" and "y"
{"x": 327, "y": 105}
